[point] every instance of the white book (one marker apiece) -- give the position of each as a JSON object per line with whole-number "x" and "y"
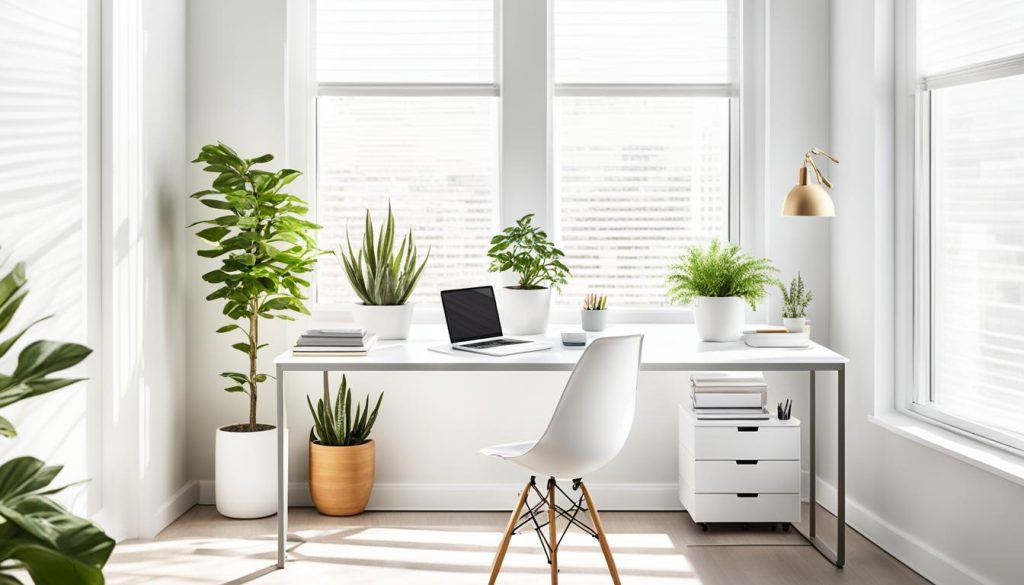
{"x": 729, "y": 399}
{"x": 731, "y": 413}
{"x": 728, "y": 379}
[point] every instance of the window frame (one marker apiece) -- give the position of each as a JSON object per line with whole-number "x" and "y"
{"x": 513, "y": 55}
{"x": 915, "y": 239}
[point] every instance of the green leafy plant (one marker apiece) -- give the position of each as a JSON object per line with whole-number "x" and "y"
{"x": 334, "y": 424}
{"x": 38, "y": 535}
{"x": 720, "y": 271}
{"x": 795, "y": 299}
{"x": 526, "y": 250}
{"x": 378, "y": 273}
{"x": 595, "y": 302}
{"x": 264, "y": 242}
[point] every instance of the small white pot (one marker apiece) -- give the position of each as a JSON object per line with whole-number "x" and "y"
{"x": 719, "y": 318}
{"x": 386, "y": 321}
{"x": 246, "y": 473}
{"x": 593, "y": 320}
{"x": 525, "y": 311}
{"x": 794, "y": 324}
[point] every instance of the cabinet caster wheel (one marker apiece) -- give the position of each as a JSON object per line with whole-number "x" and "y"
{"x": 703, "y": 526}
{"x": 785, "y": 526}
{"x": 745, "y": 526}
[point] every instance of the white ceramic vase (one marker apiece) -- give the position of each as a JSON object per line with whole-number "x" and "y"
{"x": 246, "y": 473}
{"x": 794, "y": 324}
{"x": 525, "y": 311}
{"x": 719, "y": 318}
{"x": 386, "y": 321}
{"x": 593, "y": 320}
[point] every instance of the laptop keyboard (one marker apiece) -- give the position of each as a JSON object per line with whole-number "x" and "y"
{"x": 494, "y": 343}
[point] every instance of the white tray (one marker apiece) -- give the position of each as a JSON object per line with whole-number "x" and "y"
{"x": 755, "y": 339}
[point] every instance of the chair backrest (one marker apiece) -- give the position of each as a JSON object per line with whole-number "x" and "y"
{"x": 595, "y": 414}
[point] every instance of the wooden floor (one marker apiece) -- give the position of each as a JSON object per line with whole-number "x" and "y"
{"x": 451, "y": 548}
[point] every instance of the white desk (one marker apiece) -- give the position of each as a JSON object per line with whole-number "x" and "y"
{"x": 666, "y": 348}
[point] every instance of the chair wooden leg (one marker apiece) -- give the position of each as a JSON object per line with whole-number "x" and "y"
{"x": 600, "y": 535}
{"x": 499, "y": 557}
{"x": 552, "y": 531}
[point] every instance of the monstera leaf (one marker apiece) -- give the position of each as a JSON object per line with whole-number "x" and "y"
{"x": 38, "y": 536}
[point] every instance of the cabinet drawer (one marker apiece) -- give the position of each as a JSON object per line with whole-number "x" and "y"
{"x": 741, "y": 442}
{"x": 746, "y": 476}
{"x": 746, "y": 508}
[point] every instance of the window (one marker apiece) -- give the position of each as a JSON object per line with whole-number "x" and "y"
{"x": 969, "y": 209}
{"x": 621, "y": 136}
{"x": 643, "y": 113}
{"x": 407, "y": 112}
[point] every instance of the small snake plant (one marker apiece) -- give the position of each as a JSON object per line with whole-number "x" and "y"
{"x": 334, "y": 424}
{"x": 380, "y": 274}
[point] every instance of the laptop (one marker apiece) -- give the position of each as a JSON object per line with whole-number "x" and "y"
{"x": 474, "y": 325}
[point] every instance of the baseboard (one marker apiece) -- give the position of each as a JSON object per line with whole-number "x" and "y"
{"x": 173, "y": 507}
{"x": 469, "y": 496}
{"x": 923, "y": 558}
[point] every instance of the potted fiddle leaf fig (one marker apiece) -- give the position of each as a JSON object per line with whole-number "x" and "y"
{"x": 263, "y": 241}
{"x": 718, "y": 280}
{"x": 341, "y": 452}
{"x": 383, "y": 278}
{"x": 39, "y": 536}
{"x": 526, "y": 250}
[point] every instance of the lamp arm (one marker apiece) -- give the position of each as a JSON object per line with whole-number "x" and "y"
{"x": 809, "y": 160}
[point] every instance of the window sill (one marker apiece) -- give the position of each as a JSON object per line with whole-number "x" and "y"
{"x": 1003, "y": 463}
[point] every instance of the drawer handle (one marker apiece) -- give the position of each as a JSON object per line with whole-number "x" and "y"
{"x": 746, "y": 495}
{"x": 746, "y": 462}
{"x": 747, "y": 429}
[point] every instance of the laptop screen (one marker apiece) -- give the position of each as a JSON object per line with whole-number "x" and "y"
{"x": 471, "y": 313}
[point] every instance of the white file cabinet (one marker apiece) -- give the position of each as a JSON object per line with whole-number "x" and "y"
{"x": 739, "y": 471}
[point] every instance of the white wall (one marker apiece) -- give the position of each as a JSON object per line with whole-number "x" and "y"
{"x": 432, "y": 424}
{"x": 952, "y": 522}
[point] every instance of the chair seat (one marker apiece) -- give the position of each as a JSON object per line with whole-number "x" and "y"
{"x": 508, "y": 450}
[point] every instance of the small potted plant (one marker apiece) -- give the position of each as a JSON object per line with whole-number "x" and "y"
{"x": 718, "y": 280}
{"x": 795, "y": 301}
{"x": 594, "y": 315}
{"x": 526, "y": 250}
{"x": 265, "y": 244}
{"x": 341, "y": 454}
{"x": 383, "y": 278}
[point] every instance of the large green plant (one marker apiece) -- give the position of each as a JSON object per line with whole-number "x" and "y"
{"x": 334, "y": 424}
{"x": 720, "y": 271}
{"x": 525, "y": 249}
{"x": 38, "y": 535}
{"x": 378, "y": 273}
{"x": 264, "y": 242}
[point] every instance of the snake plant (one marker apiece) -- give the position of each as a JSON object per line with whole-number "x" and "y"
{"x": 380, "y": 274}
{"x": 334, "y": 424}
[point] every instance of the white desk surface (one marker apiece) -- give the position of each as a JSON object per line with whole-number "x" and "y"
{"x": 666, "y": 348}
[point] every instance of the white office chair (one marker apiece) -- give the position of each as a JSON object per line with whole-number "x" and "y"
{"x": 587, "y": 430}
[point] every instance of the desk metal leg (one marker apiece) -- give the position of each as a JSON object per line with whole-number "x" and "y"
{"x": 838, "y": 558}
{"x": 282, "y": 474}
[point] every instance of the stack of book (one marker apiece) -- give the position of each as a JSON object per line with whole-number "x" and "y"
{"x": 729, "y": 395}
{"x": 334, "y": 343}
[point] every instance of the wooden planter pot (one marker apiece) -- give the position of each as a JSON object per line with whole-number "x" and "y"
{"x": 341, "y": 478}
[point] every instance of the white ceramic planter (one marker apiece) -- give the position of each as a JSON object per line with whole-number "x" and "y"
{"x": 246, "y": 473}
{"x": 386, "y": 321}
{"x": 525, "y": 311}
{"x": 719, "y": 318}
{"x": 794, "y": 324}
{"x": 594, "y": 320}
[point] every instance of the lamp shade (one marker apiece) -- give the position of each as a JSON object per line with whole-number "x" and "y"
{"x": 808, "y": 200}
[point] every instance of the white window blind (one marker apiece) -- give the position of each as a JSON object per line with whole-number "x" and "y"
{"x": 642, "y": 133}
{"x": 974, "y": 197}
{"x": 407, "y": 112}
